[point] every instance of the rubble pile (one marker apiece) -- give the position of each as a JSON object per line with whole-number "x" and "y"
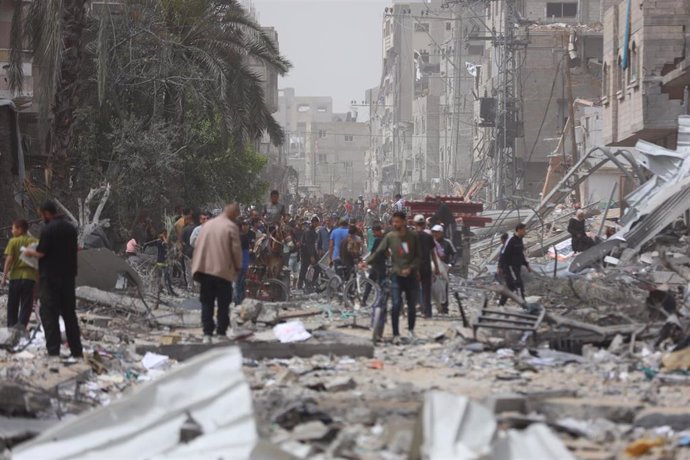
{"x": 332, "y": 394}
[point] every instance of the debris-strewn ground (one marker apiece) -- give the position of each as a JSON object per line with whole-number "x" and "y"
{"x": 599, "y": 370}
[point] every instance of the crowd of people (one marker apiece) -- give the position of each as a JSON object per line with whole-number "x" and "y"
{"x": 216, "y": 249}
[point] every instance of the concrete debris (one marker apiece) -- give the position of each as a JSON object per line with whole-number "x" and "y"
{"x": 591, "y": 363}
{"x": 454, "y": 427}
{"x": 147, "y": 423}
{"x": 102, "y": 268}
{"x": 537, "y": 441}
{"x": 678, "y": 418}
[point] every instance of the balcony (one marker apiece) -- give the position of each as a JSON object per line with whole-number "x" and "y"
{"x": 388, "y": 44}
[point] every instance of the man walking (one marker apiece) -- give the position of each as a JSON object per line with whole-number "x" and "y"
{"x": 512, "y": 260}
{"x": 57, "y": 270}
{"x": 245, "y": 244}
{"x": 405, "y": 258}
{"x": 427, "y": 253}
{"x": 216, "y": 262}
{"x": 337, "y": 237}
{"x": 307, "y": 251}
{"x": 21, "y": 275}
{"x": 324, "y": 237}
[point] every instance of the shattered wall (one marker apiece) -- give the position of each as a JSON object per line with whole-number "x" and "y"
{"x": 635, "y": 104}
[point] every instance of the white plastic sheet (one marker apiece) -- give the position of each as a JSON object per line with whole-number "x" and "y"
{"x": 292, "y": 331}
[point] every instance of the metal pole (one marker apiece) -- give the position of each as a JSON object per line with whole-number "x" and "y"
{"x": 571, "y": 114}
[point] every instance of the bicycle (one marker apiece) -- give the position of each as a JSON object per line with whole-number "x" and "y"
{"x": 259, "y": 288}
{"x": 360, "y": 289}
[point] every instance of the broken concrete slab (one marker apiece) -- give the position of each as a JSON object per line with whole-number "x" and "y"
{"x": 101, "y": 269}
{"x": 163, "y": 315}
{"x": 300, "y": 411}
{"x": 537, "y": 441}
{"x": 314, "y": 430}
{"x": 322, "y": 343}
{"x": 16, "y": 430}
{"x": 453, "y": 426}
{"x": 506, "y": 402}
{"x": 19, "y": 400}
{"x": 340, "y": 384}
{"x": 677, "y": 418}
{"x": 615, "y": 409}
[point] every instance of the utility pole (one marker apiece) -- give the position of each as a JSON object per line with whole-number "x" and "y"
{"x": 571, "y": 113}
{"x": 504, "y": 174}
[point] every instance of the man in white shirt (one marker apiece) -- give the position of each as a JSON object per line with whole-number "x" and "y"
{"x": 205, "y": 216}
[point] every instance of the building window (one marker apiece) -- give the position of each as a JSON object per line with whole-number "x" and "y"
{"x": 303, "y": 108}
{"x": 421, "y": 27}
{"x": 633, "y": 64}
{"x": 448, "y": 26}
{"x": 322, "y": 109}
{"x": 322, "y": 133}
{"x": 349, "y": 138}
{"x": 621, "y": 75}
{"x": 322, "y": 158}
{"x": 561, "y": 9}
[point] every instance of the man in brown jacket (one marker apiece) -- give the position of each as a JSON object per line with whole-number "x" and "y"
{"x": 216, "y": 262}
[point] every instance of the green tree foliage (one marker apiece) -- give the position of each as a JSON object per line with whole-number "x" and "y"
{"x": 170, "y": 105}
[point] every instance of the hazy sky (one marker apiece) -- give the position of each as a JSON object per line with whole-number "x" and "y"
{"x": 334, "y": 45}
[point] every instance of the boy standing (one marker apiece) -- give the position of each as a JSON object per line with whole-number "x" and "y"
{"x": 22, "y": 276}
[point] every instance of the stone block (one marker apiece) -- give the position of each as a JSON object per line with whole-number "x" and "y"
{"x": 615, "y": 409}
{"x": 506, "y": 402}
{"x": 677, "y": 418}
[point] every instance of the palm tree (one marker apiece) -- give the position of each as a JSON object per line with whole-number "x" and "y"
{"x": 177, "y": 54}
{"x": 171, "y": 54}
{"x": 53, "y": 30}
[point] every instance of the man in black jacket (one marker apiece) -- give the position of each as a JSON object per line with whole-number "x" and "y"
{"x": 576, "y": 227}
{"x": 307, "y": 250}
{"x": 57, "y": 270}
{"x": 428, "y": 253}
{"x": 511, "y": 261}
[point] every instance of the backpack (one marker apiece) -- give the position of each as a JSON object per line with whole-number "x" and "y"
{"x": 354, "y": 247}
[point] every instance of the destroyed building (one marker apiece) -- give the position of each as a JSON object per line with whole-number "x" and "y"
{"x": 556, "y": 58}
{"x": 645, "y": 72}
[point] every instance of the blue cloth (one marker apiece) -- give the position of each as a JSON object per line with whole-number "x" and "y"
{"x": 626, "y": 40}
{"x": 245, "y": 259}
{"x": 337, "y": 236}
{"x": 323, "y": 239}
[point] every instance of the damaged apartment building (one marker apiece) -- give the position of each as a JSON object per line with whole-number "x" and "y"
{"x": 324, "y": 148}
{"x": 443, "y": 88}
{"x": 646, "y": 71}
{"x": 532, "y": 79}
{"x": 421, "y": 111}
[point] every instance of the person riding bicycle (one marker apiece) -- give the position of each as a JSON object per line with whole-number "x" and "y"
{"x": 274, "y": 211}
